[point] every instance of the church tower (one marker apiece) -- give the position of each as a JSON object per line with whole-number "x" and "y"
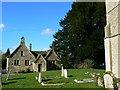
{"x": 112, "y": 40}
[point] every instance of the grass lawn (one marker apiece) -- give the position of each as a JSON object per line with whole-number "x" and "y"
{"x": 27, "y": 80}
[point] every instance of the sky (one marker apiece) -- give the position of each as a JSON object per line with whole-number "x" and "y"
{"x": 36, "y": 21}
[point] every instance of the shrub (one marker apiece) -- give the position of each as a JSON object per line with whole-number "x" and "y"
{"x": 88, "y": 63}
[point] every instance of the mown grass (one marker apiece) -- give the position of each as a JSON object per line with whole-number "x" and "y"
{"x": 27, "y": 80}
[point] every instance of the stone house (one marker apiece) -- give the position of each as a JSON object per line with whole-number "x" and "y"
{"x": 23, "y": 59}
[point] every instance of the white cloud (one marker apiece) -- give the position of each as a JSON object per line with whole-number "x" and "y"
{"x": 2, "y": 26}
{"x": 46, "y": 31}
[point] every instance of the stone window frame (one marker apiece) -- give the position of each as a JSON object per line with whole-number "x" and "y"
{"x": 22, "y": 53}
{"x": 27, "y": 62}
{"x": 16, "y": 62}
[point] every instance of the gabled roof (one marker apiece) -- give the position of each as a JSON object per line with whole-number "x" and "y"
{"x": 53, "y": 57}
{"x": 41, "y": 58}
{"x": 36, "y": 53}
{"x": 43, "y": 53}
{"x": 11, "y": 55}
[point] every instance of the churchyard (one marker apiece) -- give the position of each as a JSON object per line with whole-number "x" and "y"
{"x": 76, "y": 78}
{"x": 80, "y": 78}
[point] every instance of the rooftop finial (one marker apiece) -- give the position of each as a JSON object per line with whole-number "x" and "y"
{"x": 22, "y": 40}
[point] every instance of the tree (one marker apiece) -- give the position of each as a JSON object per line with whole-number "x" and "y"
{"x": 4, "y": 58}
{"x": 0, "y": 59}
{"x": 82, "y": 34}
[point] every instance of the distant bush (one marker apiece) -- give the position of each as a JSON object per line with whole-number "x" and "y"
{"x": 88, "y": 63}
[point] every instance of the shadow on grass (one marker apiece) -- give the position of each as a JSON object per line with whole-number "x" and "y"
{"x": 70, "y": 75}
{"x": 45, "y": 80}
{"x": 16, "y": 78}
{"x": 10, "y": 82}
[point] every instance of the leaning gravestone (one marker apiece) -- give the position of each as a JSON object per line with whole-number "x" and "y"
{"x": 65, "y": 73}
{"x": 39, "y": 78}
{"x": 0, "y": 81}
{"x": 108, "y": 81}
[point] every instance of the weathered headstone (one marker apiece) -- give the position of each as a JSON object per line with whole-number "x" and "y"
{"x": 39, "y": 78}
{"x": 100, "y": 81}
{"x": 65, "y": 73}
{"x": 108, "y": 80}
{"x": 62, "y": 70}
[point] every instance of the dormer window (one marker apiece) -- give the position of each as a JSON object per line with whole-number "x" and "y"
{"x": 22, "y": 53}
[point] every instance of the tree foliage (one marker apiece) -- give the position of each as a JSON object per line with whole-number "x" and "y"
{"x": 0, "y": 59}
{"x": 4, "y": 58}
{"x": 82, "y": 34}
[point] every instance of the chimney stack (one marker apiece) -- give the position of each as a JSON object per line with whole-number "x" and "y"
{"x": 30, "y": 47}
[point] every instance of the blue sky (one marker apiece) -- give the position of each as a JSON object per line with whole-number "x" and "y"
{"x": 36, "y": 21}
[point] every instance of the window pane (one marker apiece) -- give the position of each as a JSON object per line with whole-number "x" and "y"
{"x": 26, "y": 62}
{"x": 16, "y": 62}
{"x": 21, "y": 53}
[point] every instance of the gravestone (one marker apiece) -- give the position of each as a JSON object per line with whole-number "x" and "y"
{"x": 100, "y": 81}
{"x": 112, "y": 40}
{"x": 108, "y": 80}
{"x": 62, "y": 70}
{"x": 39, "y": 78}
{"x": 36, "y": 77}
{"x": 65, "y": 73}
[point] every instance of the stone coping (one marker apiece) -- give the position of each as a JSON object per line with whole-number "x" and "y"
{"x": 85, "y": 80}
{"x": 77, "y": 81}
{"x": 54, "y": 84}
